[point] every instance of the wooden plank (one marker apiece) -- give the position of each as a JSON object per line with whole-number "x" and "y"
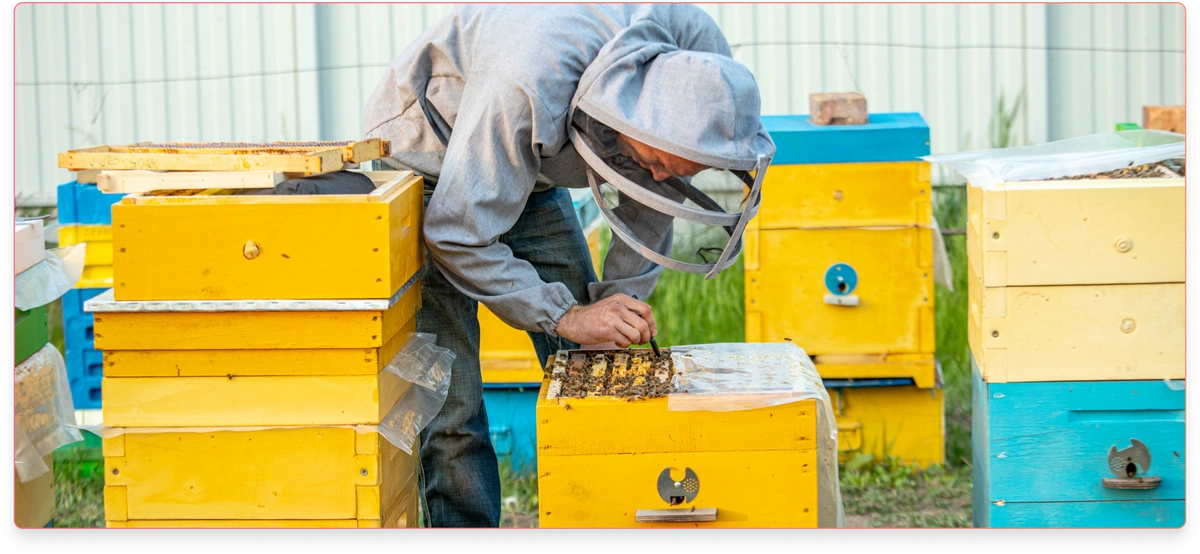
{"x": 617, "y": 426}
{"x": 250, "y": 401}
{"x": 1165, "y": 118}
{"x": 196, "y": 249}
{"x": 254, "y": 330}
{"x": 1078, "y": 232}
{"x": 1077, "y": 333}
{"x": 598, "y": 491}
{"x": 677, "y": 515}
{"x": 305, "y": 163}
{"x": 352, "y": 151}
{"x": 147, "y": 181}
{"x": 98, "y": 239}
{"x": 87, "y": 176}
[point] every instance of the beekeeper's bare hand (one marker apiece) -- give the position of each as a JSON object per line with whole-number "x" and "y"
{"x": 619, "y": 319}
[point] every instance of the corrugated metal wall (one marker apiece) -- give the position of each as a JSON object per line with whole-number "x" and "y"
{"x": 303, "y": 72}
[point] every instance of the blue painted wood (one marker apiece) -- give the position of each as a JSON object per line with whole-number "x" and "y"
{"x": 887, "y": 137}
{"x": 85, "y": 372}
{"x": 1040, "y": 453}
{"x": 512, "y": 422}
{"x": 1153, "y": 513}
{"x": 980, "y": 477}
{"x": 78, "y": 331}
{"x": 85, "y": 204}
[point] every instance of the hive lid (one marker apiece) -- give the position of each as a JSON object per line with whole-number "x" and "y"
{"x": 886, "y": 137}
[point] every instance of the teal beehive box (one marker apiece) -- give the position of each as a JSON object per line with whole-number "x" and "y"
{"x": 1059, "y": 454}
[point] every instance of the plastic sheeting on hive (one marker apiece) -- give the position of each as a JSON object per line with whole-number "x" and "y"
{"x": 50, "y": 278}
{"x": 746, "y": 376}
{"x": 44, "y": 412}
{"x": 1063, "y": 158}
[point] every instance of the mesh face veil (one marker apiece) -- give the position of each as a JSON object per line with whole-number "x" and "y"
{"x": 595, "y": 143}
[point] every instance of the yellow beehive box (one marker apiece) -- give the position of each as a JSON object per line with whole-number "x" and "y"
{"x": 243, "y": 338}
{"x": 97, "y": 237}
{"x": 1077, "y": 332}
{"x": 903, "y": 421}
{"x": 1078, "y": 232}
{"x": 295, "y": 477}
{"x": 601, "y": 458}
{"x": 807, "y": 196}
{"x": 788, "y": 298}
{"x": 506, "y": 355}
{"x": 34, "y": 500}
{"x": 225, "y": 245}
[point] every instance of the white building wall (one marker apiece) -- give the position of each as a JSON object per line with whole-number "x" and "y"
{"x": 94, "y": 74}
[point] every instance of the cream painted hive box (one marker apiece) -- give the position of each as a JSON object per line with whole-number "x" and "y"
{"x": 1077, "y": 280}
{"x": 602, "y": 459}
{"x": 223, "y": 244}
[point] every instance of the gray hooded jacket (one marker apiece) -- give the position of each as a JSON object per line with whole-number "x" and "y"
{"x": 486, "y": 101}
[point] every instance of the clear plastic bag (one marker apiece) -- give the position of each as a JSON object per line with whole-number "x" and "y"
{"x": 427, "y": 366}
{"x": 747, "y": 376}
{"x": 50, "y": 278}
{"x": 1064, "y": 158}
{"x": 424, "y": 363}
{"x": 45, "y": 416}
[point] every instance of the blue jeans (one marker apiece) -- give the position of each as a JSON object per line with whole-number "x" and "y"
{"x": 459, "y": 471}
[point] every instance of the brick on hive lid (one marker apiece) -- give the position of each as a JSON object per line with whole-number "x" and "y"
{"x": 837, "y": 108}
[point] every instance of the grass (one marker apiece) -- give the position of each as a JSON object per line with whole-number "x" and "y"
{"x": 690, "y": 310}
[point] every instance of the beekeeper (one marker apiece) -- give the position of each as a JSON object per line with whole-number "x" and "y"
{"x": 499, "y": 107}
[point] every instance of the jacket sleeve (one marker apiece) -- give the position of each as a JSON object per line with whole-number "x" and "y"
{"x": 488, "y": 173}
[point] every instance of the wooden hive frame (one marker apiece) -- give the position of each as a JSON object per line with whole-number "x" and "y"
{"x": 304, "y": 158}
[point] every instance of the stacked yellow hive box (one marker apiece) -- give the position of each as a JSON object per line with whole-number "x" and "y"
{"x": 246, "y": 337}
{"x": 718, "y": 452}
{"x": 840, "y": 261}
{"x": 1076, "y": 327}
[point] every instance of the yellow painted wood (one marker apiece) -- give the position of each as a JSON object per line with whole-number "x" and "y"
{"x": 845, "y": 195}
{"x": 202, "y": 363}
{"x": 309, "y": 246}
{"x": 237, "y": 524}
{"x": 906, "y": 422}
{"x": 1087, "y": 232}
{"x": 609, "y": 425}
{"x": 33, "y": 501}
{"x": 309, "y": 473}
{"x": 506, "y": 355}
{"x": 96, "y": 277}
{"x": 785, "y": 290}
{"x": 1077, "y": 333}
{"x": 255, "y": 330}
{"x": 921, "y": 368}
{"x": 305, "y": 163}
{"x": 146, "y": 181}
{"x": 250, "y": 401}
{"x": 98, "y": 239}
{"x": 352, "y": 151}
{"x": 749, "y": 489}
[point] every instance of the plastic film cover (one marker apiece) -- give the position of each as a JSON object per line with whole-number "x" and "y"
{"x": 45, "y": 415}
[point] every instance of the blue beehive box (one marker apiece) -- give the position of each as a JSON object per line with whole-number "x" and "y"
{"x": 886, "y": 137}
{"x": 512, "y": 422}
{"x": 83, "y": 203}
{"x": 85, "y": 369}
{"x": 1041, "y": 453}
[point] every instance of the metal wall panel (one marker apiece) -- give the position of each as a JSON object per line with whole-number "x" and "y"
{"x": 90, "y": 74}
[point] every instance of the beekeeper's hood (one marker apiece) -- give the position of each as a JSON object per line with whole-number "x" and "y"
{"x": 700, "y": 106}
